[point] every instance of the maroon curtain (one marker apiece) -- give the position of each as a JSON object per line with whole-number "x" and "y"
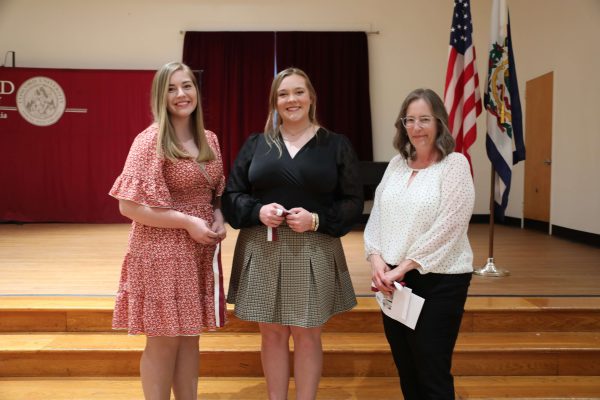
{"x": 338, "y": 66}
{"x": 237, "y": 70}
{"x": 62, "y": 172}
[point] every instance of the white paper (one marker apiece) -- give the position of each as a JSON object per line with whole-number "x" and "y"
{"x": 402, "y": 305}
{"x": 401, "y": 299}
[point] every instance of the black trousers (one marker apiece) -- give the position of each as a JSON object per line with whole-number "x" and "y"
{"x": 424, "y": 356}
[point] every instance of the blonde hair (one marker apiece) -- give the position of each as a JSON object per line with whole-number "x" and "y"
{"x": 166, "y": 144}
{"x": 274, "y": 121}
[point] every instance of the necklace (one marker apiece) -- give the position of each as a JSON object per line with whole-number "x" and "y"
{"x": 288, "y": 137}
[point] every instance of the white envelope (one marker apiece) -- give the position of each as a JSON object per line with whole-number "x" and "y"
{"x": 403, "y": 305}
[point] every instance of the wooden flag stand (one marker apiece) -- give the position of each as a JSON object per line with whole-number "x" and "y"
{"x": 490, "y": 267}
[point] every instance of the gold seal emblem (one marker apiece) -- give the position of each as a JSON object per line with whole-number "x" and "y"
{"x": 41, "y": 101}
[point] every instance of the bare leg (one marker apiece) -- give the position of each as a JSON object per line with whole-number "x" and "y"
{"x": 275, "y": 356}
{"x": 157, "y": 366}
{"x": 185, "y": 380}
{"x": 308, "y": 361}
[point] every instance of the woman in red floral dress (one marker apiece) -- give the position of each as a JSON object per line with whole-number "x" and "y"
{"x": 171, "y": 286}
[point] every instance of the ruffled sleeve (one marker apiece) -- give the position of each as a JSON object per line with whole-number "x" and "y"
{"x": 348, "y": 203}
{"x": 239, "y": 207}
{"x": 142, "y": 180}
{"x": 213, "y": 142}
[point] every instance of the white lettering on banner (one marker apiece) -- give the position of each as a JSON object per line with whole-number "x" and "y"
{"x": 41, "y": 101}
{"x": 3, "y": 116}
{"x": 7, "y": 87}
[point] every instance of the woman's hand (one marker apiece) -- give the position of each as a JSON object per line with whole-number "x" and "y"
{"x": 379, "y": 269}
{"x": 218, "y": 225}
{"x": 299, "y": 220}
{"x": 397, "y": 274}
{"x": 199, "y": 230}
{"x": 272, "y": 215}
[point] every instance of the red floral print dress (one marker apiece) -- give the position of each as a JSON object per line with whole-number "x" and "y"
{"x": 170, "y": 285}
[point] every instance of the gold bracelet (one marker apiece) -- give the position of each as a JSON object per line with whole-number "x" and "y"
{"x": 316, "y": 225}
{"x": 314, "y": 221}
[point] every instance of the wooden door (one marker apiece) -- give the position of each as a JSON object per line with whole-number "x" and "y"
{"x": 538, "y": 144}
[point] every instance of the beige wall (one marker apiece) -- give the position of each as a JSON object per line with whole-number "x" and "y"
{"x": 409, "y": 52}
{"x": 567, "y": 43}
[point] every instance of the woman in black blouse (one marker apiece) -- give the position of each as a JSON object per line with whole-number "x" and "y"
{"x": 293, "y": 191}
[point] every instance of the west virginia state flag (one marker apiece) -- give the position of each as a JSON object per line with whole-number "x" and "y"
{"x": 504, "y": 140}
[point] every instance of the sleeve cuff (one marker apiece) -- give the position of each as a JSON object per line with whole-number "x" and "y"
{"x": 255, "y": 214}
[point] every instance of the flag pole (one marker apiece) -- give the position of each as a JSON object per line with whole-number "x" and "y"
{"x": 489, "y": 269}
{"x": 504, "y": 122}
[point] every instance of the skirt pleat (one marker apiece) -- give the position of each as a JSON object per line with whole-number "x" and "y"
{"x": 301, "y": 279}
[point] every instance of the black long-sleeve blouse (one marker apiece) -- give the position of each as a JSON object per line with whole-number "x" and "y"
{"x": 321, "y": 178}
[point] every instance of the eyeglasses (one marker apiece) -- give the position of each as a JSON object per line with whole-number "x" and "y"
{"x": 410, "y": 122}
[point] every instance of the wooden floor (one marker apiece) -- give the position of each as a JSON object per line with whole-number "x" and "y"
{"x": 534, "y": 334}
{"x": 75, "y": 259}
{"x": 358, "y": 388}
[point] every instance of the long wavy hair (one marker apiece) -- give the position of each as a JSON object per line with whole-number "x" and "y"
{"x": 167, "y": 143}
{"x": 274, "y": 121}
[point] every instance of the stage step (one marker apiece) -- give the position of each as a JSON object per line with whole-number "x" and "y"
{"x": 483, "y": 314}
{"x": 360, "y": 388}
{"x": 507, "y": 348}
{"x": 346, "y": 354}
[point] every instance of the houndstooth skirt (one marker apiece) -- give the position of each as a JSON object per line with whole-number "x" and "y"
{"x": 301, "y": 279}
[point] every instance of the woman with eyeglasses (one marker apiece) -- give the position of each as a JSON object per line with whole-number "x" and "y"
{"x": 417, "y": 234}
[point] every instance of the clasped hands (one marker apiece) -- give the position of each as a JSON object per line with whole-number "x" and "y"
{"x": 298, "y": 219}
{"x": 203, "y": 233}
{"x": 383, "y": 276}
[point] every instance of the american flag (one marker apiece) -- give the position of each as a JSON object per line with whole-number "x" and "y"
{"x": 461, "y": 92}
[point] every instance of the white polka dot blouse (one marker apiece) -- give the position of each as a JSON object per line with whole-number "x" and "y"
{"x": 425, "y": 220}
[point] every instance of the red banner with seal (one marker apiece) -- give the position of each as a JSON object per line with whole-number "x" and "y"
{"x": 64, "y": 135}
